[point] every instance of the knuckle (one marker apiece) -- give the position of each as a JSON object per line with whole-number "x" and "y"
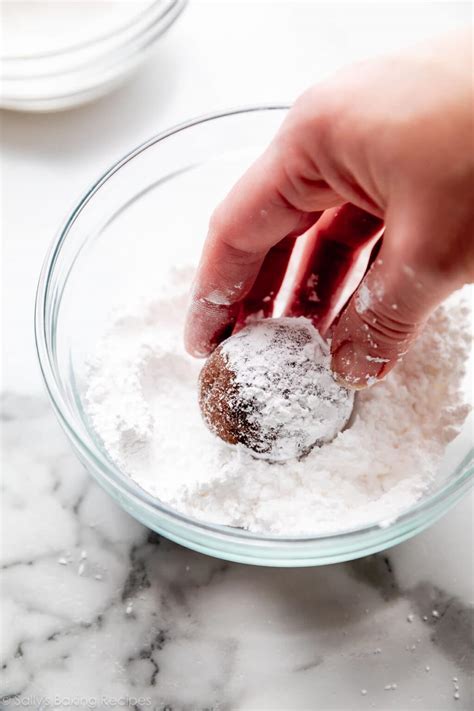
{"x": 316, "y": 109}
{"x": 233, "y": 248}
{"x": 437, "y": 245}
{"x": 447, "y": 262}
{"x": 300, "y": 145}
{"x": 299, "y": 190}
{"x": 307, "y": 102}
{"x": 237, "y": 256}
{"x": 217, "y": 222}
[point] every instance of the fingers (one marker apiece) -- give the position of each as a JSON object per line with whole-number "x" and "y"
{"x": 254, "y": 217}
{"x": 261, "y": 297}
{"x": 331, "y": 252}
{"x": 354, "y": 282}
{"x": 386, "y": 313}
{"x": 232, "y": 284}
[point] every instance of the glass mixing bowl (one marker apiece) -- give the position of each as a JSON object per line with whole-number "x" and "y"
{"x": 58, "y": 72}
{"x": 121, "y": 239}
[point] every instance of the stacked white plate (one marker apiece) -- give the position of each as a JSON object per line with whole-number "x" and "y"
{"x": 62, "y": 53}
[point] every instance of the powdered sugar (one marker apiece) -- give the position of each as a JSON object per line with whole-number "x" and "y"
{"x": 282, "y": 370}
{"x": 142, "y": 401}
{"x": 363, "y": 299}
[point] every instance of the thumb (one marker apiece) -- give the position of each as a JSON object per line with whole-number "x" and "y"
{"x": 382, "y": 319}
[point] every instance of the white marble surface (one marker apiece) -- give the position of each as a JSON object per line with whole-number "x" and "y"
{"x": 97, "y": 612}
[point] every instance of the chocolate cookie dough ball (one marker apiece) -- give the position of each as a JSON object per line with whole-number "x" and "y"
{"x": 270, "y": 388}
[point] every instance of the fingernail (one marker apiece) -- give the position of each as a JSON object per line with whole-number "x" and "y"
{"x": 354, "y": 368}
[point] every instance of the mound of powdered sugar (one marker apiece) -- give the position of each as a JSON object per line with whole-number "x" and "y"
{"x": 142, "y": 400}
{"x": 270, "y": 388}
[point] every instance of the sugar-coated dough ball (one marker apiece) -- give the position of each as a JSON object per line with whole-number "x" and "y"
{"x": 270, "y": 388}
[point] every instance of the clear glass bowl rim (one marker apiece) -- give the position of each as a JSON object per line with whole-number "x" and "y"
{"x": 417, "y": 517}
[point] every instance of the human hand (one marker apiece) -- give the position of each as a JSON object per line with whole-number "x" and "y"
{"x": 394, "y": 139}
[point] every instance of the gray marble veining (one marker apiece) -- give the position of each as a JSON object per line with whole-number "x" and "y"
{"x": 97, "y": 608}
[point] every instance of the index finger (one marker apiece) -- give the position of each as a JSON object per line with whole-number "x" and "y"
{"x": 257, "y": 214}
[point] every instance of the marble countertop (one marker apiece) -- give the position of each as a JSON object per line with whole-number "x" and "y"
{"x": 97, "y": 611}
